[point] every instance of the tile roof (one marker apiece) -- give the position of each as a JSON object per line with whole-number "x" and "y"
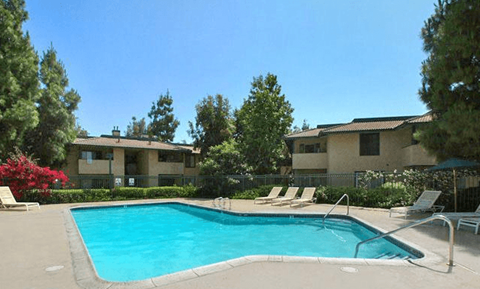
{"x": 363, "y": 124}
{"x": 130, "y": 143}
{"x": 306, "y": 133}
{"x": 366, "y": 126}
{"x": 422, "y": 119}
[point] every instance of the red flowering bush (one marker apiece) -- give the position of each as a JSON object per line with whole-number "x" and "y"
{"x": 21, "y": 174}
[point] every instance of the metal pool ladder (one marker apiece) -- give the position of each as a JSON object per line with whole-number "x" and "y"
{"x": 334, "y": 206}
{"x": 221, "y": 203}
{"x": 414, "y": 224}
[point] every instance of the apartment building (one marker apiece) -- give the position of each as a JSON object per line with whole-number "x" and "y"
{"x": 131, "y": 161}
{"x": 379, "y": 144}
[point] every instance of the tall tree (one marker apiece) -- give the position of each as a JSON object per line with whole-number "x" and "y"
{"x": 213, "y": 123}
{"x": 56, "y": 107}
{"x": 137, "y": 128}
{"x": 164, "y": 124}
{"x": 264, "y": 118}
{"x": 18, "y": 77}
{"x": 451, "y": 80}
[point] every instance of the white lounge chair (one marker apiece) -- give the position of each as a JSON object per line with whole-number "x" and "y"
{"x": 470, "y": 222}
{"x": 289, "y": 196}
{"x": 272, "y": 195}
{"x": 424, "y": 203}
{"x": 307, "y": 197}
{"x": 7, "y": 200}
{"x": 460, "y": 215}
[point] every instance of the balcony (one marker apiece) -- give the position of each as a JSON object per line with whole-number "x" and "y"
{"x": 95, "y": 167}
{"x": 310, "y": 161}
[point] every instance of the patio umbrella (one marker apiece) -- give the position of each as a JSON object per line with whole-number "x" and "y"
{"x": 455, "y": 164}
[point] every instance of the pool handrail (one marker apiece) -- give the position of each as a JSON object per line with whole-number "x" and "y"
{"x": 414, "y": 224}
{"x": 222, "y": 203}
{"x": 334, "y": 206}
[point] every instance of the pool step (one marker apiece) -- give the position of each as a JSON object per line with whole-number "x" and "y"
{"x": 392, "y": 256}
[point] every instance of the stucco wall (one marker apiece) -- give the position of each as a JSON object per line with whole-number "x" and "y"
{"x": 71, "y": 169}
{"x": 415, "y": 155}
{"x": 344, "y": 152}
{"x": 119, "y": 159}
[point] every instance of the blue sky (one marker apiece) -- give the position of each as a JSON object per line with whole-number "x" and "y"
{"x": 335, "y": 60}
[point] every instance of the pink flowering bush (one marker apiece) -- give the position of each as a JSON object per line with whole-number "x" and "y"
{"x": 22, "y": 174}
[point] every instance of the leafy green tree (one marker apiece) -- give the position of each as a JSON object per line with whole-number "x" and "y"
{"x": 264, "y": 118}
{"x": 137, "y": 128}
{"x": 213, "y": 123}
{"x": 163, "y": 123}
{"x": 221, "y": 162}
{"x": 56, "y": 107}
{"x": 18, "y": 77}
{"x": 224, "y": 159}
{"x": 451, "y": 80}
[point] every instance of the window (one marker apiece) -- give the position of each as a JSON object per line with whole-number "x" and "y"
{"x": 96, "y": 155}
{"x": 190, "y": 161}
{"x": 369, "y": 144}
{"x": 320, "y": 147}
{"x": 310, "y": 148}
{"x": 170, "y": 157}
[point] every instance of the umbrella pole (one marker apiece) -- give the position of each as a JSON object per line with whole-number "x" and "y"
{"x": 455, "y": 188}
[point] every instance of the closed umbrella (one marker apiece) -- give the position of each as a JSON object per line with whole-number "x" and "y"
{"x": 455, "y": 164}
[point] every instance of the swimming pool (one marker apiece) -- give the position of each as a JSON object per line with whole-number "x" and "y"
{"x": 136, "y": 242}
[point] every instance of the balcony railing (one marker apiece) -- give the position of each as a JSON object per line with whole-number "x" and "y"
{"x": 310, "y": 161}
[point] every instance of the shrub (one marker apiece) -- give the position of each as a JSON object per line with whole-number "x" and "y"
{"x": 128, "y": 193}
{"x": 189, "y": 191}
{"x": 331, "y": 195}
{"x": 164, "y": 192}
{"x": 22, "y": 174}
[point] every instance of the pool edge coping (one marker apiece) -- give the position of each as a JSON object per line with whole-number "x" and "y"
{"x": 86, "y": 275}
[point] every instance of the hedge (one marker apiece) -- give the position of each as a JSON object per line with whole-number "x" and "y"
{"x": 99, "y": 195}
{"x": 382, "y": 197}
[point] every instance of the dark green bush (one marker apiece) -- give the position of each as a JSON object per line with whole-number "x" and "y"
{"x": 381, "y": 197}
{"x": 128, "y": 193}
{"x": 163, "y": 192}
{"x": 189, "y": 191}
{"x": 331, "y": 195}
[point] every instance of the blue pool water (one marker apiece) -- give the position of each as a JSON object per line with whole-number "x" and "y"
{"x": 136, "y": 242}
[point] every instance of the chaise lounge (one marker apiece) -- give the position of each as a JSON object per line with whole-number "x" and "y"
{"x": 424, "y": 203}
{"x": 470, "y": 222}
{"x": 289, "y": 196}
{"x": 460, "y": 215}
{"x": 7, "y": 200}
{"x": 307, "y": 197}
{"x": 272, "y": 195}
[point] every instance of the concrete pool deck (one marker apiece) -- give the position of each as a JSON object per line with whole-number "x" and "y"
{"x": 36, "y": 253}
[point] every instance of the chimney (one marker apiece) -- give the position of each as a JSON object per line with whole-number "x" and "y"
{"x": 115, "y": 131}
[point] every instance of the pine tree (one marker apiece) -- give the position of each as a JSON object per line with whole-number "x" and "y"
{"x": 451, "y": 80}
{"x": 56, "y": 106}
{"x": 137, "y": 128}
{"x": 213, "y": 123}
{"x": 163, "y": 124}
{"x": 18, "y": 77}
